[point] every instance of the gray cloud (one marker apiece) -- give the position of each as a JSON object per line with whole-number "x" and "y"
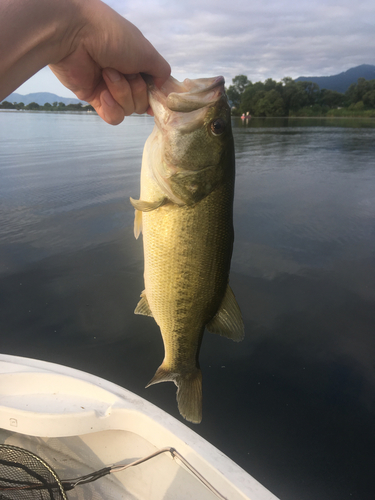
{"x": 260, "y": 39}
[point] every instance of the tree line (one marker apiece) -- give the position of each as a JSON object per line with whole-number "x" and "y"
{"x": 56, "y": 106}
{"x": 270, "y": 98}
{"x": 290, "y": 98}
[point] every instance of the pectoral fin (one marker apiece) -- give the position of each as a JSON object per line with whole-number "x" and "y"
{"x": 143, "y": 307}
{"x": 137, "y": 224}
{"x": 147, "y": 206}
{"x": 228, "y": 320}
{"x": 144, "y": 206}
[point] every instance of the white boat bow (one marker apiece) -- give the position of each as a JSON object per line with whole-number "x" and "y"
{"x": 79, "y": 423}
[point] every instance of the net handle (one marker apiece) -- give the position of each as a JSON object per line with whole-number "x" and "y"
{"x": 72, "y": 483}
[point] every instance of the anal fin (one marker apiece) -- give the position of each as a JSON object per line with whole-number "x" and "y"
{"x": 143, "y": 307}
{"x": 228, "y": 319}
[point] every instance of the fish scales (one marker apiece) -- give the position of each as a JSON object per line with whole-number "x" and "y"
{"x": 187, "y": 257}
{"x": 185, "y": 215}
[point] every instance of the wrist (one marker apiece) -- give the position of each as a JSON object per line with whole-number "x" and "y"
{"x": 67, "y": 25}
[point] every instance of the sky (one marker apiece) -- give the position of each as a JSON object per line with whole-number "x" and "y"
{"x": 257, "y": 38}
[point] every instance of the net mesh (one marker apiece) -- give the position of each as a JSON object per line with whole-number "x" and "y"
{"x": 25, "y": 476}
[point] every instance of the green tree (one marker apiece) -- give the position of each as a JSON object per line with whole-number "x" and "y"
{"x": 298, "y": 100}
{"x": 250, "y": 96}
{"x": 302, "y": 94}
{"x": 270, "y": 84}
{"x": 273, "y": 98}
{"x": 7, "y": 105}
{"x": 369, "y": 99}
{"x": 74, "y": 107}
{"x": 287, "y": 80}
{"x": 233, "y": 97}
{"x": 235, "y": 91}
{"x": 240, "y": 82}
{"x": 311, "y": 90}
{"x": 357, "y": 91}
{"x": 32, "y": 106}
{"x": 358, "y": 106}
{"x": 271, "y": 104}
{"x": 351, "y": 94}
{"x": 288, "y": 89}
{"x": 19, "y": 105}
{"x": 331, "y": 98}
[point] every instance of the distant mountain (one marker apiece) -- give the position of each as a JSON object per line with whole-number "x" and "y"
{"x": 41, "y": 98}
{"x": 342, "y": 81}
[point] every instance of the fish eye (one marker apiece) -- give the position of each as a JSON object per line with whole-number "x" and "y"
{"x": 217, "y": 126}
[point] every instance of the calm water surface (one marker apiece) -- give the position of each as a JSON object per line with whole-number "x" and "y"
{"x": 294, "y": 403}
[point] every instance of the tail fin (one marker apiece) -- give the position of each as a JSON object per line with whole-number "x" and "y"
{"x": 189, "y": 392}
{"x": 189, "y": 396}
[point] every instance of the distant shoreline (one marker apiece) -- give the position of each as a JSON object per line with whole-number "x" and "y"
{"x": 90, "y": 112}
{"x": 306, "y": 117}
{"x": 67, "y": 112}
{"x": 48, "y": 112}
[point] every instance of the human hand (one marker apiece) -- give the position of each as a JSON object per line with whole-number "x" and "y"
{"x": 103, "y": 67}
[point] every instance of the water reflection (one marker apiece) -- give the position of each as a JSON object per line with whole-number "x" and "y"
{"x": 256, "y": 122}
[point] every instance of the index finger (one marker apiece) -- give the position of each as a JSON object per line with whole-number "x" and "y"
{"x": 153, "y": 64}
{"x": 124, "y": 48}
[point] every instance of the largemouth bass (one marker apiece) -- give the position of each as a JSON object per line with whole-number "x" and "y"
{"x": 185, "y": 215}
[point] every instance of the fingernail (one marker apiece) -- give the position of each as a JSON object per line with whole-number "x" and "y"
{"x": 112, "y": 74}
{"x": 108, "y": 99}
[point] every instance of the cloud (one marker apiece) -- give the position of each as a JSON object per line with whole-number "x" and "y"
{"x": 261, "y": 38}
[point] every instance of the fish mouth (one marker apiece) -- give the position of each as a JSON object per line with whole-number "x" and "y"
{"x": 186, "y": 96}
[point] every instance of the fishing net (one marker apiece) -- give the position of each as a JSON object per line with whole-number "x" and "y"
{"x": 25, "y": 476}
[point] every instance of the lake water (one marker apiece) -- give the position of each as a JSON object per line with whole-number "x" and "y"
{"x": 294, "y": 403}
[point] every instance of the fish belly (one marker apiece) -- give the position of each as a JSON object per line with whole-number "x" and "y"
{"x": 187, "y": 254}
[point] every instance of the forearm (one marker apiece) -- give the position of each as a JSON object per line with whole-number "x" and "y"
{"x": 92, "y": 50}
{"x": 34, "y": 33}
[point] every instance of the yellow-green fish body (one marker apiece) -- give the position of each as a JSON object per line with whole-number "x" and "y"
{"x": 185, "y": 214}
